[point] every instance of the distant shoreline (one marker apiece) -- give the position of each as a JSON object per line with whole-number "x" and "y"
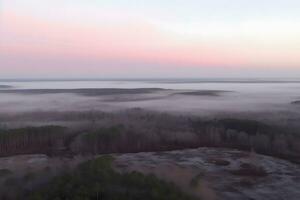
{"x": 164, "y": 80}
{"x": 112, "y": 91}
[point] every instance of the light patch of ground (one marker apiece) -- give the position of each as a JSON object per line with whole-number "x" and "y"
{"x": 212, "y": 173}
{"x": 209, "y": 173}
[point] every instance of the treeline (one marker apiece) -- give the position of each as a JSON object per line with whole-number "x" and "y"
{"x": 122, "y": 139}
{"x": 30, "y": 140}
{"x": 165, "y": 135}
{"x": 249, "y": 135}
{"x": 138, "y": 131}
{"x": 53, "y": 116}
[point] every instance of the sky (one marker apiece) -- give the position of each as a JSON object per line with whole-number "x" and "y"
{"x": 149, "y": 39}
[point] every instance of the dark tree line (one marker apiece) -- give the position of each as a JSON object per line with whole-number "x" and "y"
{"x": 249, "y": 135}
{"x": 139, "y": 131}
{"x": 32, "y": 140}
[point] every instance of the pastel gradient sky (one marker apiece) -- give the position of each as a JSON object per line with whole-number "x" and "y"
{"x": 149, "y": 38}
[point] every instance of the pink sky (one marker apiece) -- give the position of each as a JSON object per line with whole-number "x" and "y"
{"x": 118, "y": 43}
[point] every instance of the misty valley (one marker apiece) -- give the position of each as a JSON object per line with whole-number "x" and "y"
{"x": 181, "y": 140}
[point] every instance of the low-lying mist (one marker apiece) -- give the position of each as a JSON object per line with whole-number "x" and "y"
{"x": 268, "y": 101}
{"x": 226, "y": 125}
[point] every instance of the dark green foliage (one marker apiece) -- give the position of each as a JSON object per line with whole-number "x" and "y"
{"x": 249, "y": 126}
{"x": 11, "y": 182}
{"x": 195, "y": 180}
{"x": 138, "y": 131}
{"x": 30, "y": 176}
{"x": 103, "y": 140}
{"x": 30, "y": 140}
{"x": 248, "y": 135}
{"x": 104, "y": 135}
{"x": 5, "y": 172}
{"x": 97, "y": 179}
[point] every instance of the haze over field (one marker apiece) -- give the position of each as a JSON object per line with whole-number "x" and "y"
{"x": 193, "y": 96}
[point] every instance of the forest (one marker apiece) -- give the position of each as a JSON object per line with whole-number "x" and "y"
{"x": 141, "y": 131}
